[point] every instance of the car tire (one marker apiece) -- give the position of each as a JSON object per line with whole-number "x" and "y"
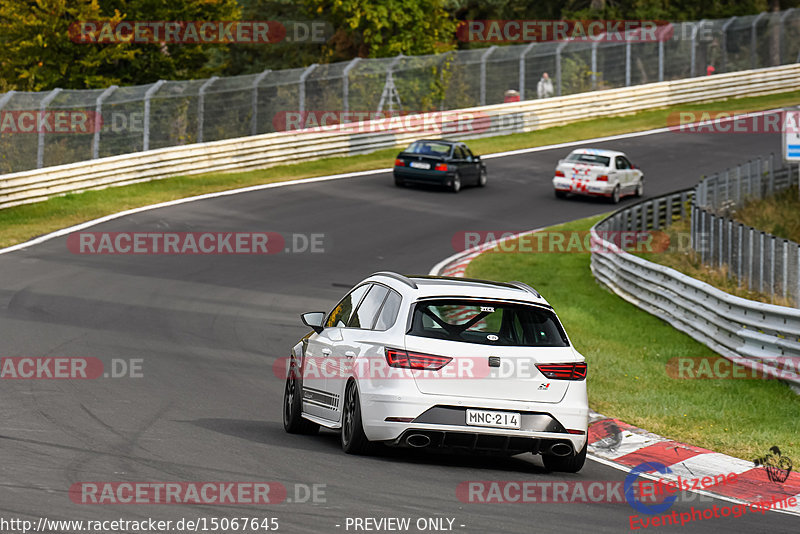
{"x": 398, "y": 181}
{"x": 561, "y": 194}
{"x": 354, "y": 441}
{"x": 455, "y": 185}
{"x": 565, "y": 464}
{"x": 640, "y": 188}
{"x": 293, "y": 421}
{"x": 615, "y": 196}
{"x": 482, "y": 178}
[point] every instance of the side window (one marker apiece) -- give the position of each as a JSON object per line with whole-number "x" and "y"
{"x": 458, "y": 153}
{"x": 367, "y": 311}
{"x": 622, "y": 163}
{"x": 341, "y": 314}
{"x": 389, "y": 311}
{"x": 627, "y": 163}
{"x": 468, "y": 154}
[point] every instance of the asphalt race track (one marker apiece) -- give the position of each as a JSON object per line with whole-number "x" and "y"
{"x": 207, "y": 330}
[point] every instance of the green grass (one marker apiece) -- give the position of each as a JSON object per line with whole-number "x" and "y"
{"x": 778, "y": 215}
{"x": 627, "y": 351}
{"x": 21, "y": 223}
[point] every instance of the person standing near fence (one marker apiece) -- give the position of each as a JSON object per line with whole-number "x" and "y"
{"x": 545, "y": 87}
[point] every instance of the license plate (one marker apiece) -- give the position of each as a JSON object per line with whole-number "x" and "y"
{"x": 420, "y": 165}
{"x": 494, "y": 419}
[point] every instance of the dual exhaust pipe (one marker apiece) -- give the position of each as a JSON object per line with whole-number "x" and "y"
{"x": 419, "y": 441}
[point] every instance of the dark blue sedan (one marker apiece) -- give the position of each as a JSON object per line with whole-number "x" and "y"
{"x": 432, "y": 161}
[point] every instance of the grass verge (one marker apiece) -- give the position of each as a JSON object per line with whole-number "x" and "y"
{"x": 20, "y": 223}
{"x": 628, "y": 349}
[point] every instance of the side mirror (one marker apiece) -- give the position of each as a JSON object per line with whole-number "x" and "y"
{"x": 477, "y": 158}
{"x": 314, "y": 320}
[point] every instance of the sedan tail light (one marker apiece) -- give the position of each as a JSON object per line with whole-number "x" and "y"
{"x": 602, "y": 178}
{"x": 399, "y": 163}
{"x": 560, "y": 174}
{"x": 440, "y": 167}
{"x": 563, "y": 371}
{"x": 415, "y": 360}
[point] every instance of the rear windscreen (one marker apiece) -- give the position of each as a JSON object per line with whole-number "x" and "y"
{"x": 487, "y": 323}
{"x": 431, "y": 148}
{"x": 592, "y": 159}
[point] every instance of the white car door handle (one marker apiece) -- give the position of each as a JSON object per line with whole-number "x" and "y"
{"x": 350, "y": 354}
{"x": 326, "y": 352}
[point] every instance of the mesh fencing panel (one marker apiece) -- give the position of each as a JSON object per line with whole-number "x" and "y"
{"x": 118, "y": 120}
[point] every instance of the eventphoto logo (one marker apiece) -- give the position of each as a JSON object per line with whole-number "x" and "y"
{"x": 562, "y": 242}
{"x": 54, "y": 121}
{"x": 732, "y": 122}
{"x": 68, "y": 368}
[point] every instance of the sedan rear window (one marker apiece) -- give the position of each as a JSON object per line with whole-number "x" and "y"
{"x": 592, "y": 159}
{"x": 429, "y": 147}
{"x": 488, "y": 323}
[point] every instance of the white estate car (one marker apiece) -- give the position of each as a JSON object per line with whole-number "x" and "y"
{"x": 441, "y": 362}
{"x": 591, "y": 171}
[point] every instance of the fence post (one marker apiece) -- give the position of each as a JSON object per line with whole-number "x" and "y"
{"x": 782, "y": 33}
{"x": 201, "y": 106}
{"x": 302, "y": 88}
{"x": 797, "y": 292}
{"x": 740, "y": 255}
{"x": 785, "y": 283}
{"x": 254, "y": 115}
{"x": 560, "y": 46}
{"x": 42, "y": 109}
{"x": 522, "y": 70}
{"x": 762, "y": 255}
{"x": 661, "y": 60}
{"x": 98, "y": 120}
{"x": 753, "y": 39}
{"x": 146, "y": 127}
{"x": 721, "y": 239}
{"x": 627, "y": 60}
{"x": 724, "y": 46}
{"x": 693, "y": 52}
{"x": 594, "y": 65}
{"x": 346, "y": 83}
{"x": 772, "y": 266}
{"x": 729, "y": 224}
{"x": 484, "y": 57}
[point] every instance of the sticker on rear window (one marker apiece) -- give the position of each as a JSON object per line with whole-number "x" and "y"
{"x": 487, "y": 309}
{"x": 492, "y": 337}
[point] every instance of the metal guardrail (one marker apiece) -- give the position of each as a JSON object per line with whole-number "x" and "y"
{"x": 262, "y": 151}
{"x": 761, "y": 261}
{"x": 750, "y": 333}
{"x": 169, "y": 113}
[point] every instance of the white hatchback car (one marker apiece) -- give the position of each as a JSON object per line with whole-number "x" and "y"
{"x": 441, "y": 362}
{"x": 592, "y": 171}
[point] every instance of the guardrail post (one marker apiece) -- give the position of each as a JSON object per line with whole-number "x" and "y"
{"x": 724, "y": 46}
{"x": 484, "y": 57}
{"x": 594, "y": 65}
{"x": 254, "y": 114}
{"x": 560, "y": 46}
{"x": 729, "y": 239}
{"x": 772, "y": 265}
{"x": 751, "y": 259}
{"x": 522, "y": 70}
{"x": 782, "y": 34}
{"x": 42, "y": 108}
{"x": 302, "y": 87}
{"x": 753, "y": 39}
{"x": 201, "y": 106}
{"x": 98, "y": 120}
{"x": 346, "y": 84}
{"x": 762, "y": 255}
{"x": 721, "y": 239}
{"x": 146, "y": 129}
